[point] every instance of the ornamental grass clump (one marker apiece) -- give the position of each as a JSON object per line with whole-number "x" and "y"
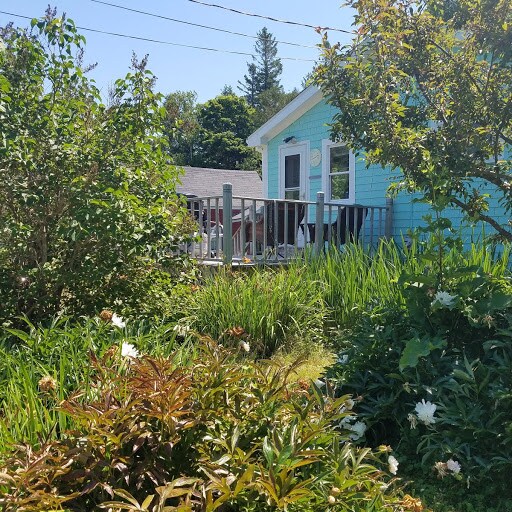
{"x": 274, "y": 308}
{"x": 223, "y": 433}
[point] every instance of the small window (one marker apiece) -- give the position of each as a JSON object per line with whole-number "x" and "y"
{"x": 339, "y": 173}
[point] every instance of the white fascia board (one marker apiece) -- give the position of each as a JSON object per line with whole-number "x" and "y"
{"x": 307, "y": 99}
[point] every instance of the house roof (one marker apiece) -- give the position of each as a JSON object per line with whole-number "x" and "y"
{"x": 204, "y": 182}
{"x": 308, "y": 98}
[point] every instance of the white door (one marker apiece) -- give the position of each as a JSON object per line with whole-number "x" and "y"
{"x": 292, "y": 171}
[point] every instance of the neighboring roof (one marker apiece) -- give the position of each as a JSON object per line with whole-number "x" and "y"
{"x": 307, "y": 99}
{"x": 203, "y": 182}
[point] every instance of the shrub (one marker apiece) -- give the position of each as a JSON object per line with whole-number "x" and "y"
{"x": 434, "y": 375}
{"x": 223, "y": 433}
{"x": 87, "y": 205}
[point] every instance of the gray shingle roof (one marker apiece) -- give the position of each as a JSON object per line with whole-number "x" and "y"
{"x": 204, "y": 182}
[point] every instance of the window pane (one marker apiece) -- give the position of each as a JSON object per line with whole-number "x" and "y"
{"x": 291, "y": 171}
{"x": 339, "y": 186}
{"x": 339, "y": 159}
{"x": 291, "y": 194}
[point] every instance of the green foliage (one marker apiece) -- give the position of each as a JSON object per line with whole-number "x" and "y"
{"x": 425, "y": 87}
{"x": 86, "y": 194}
{"x": 226, "y": 122}
{"x": 449, "y": 346}
{"x": 270, "y": 102}
{"x": 181, "y": 125}
{"x": 60, "y": 352}
{"x": 220, "y": 434}
{"x": 211, "y": 134}
{"x": 273, "y": 309}
{"x": 355, "y": 279}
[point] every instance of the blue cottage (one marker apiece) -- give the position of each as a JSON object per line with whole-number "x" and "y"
{"x": 299, "y": 160}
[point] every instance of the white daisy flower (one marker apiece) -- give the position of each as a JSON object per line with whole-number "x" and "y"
{"x": 128, "y": 350}
{"x": 118, "y": 321}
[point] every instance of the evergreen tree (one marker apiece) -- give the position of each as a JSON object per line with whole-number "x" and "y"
{"x": 263, "y": 73}
{"x": 250, "y": 87}
{"x": 227, "y": 90}
{"x": 268, "y": 64}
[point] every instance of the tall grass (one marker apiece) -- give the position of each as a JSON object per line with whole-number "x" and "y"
{"x": 354, "y": 279}
{"x": 276, "y": 308}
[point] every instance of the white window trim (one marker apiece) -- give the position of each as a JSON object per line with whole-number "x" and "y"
{"x": 326, "y": 161}
{"x": 301, "y": 148}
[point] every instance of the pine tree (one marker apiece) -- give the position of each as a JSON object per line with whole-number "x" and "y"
{"x": 250, "y": 87}
{"x": 268, "y": 64}
{"x": 263, "y": 72}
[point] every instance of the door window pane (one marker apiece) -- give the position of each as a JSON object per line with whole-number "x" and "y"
{"x": 291, "y": 171}
{"x": 292, "y": 194}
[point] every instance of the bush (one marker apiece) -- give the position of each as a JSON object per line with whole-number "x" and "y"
{"x": 87, "y": 205}
{"x": 222, "y": 433}
{"x": 434, "y": 374}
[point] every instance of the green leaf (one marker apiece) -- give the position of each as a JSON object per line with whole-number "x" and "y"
{"x": 268, "y": 452}
{"x": 416, "y": 348}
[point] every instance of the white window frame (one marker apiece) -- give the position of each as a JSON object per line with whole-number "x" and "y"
{"x": 326, "y": 173}
{"x": 302, "y": 149}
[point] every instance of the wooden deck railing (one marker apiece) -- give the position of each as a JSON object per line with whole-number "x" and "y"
{"x": 259, "y": 230}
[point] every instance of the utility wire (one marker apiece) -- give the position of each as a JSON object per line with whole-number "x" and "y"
{"x": 316, "y": 27}
{"x": 194, "y": 24}
{"x": 161, "y": 42}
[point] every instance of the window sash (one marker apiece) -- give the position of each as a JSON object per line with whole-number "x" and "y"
{"x": 339, "y": 172}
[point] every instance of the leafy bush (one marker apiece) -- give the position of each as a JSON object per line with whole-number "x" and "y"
{"x": 87, "y": 205}
{"x": 434, "y": 375}
{"x": 220, "y": 434}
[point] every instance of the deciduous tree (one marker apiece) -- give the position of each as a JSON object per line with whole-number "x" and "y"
{"x": 226, "y": 122}
{"x": 181, "y": 125}
{"x": 87, "y": 210}
{"x": 426, "y": 86}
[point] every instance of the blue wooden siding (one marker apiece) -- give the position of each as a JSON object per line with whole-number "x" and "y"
{"x": 370, "y": 184}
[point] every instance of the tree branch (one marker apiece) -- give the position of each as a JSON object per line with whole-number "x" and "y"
{"x": 506, "y": 234}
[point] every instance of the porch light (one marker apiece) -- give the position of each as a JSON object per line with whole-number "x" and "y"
{"x": 290, "y": 140}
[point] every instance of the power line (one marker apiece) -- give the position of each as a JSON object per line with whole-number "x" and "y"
{"x": 316, "y": 27}
{"x": 194, "y": 24}
{"x": 139, "y": 38}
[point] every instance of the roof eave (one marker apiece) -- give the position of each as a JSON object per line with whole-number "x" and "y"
{"x": 307, "y": 99}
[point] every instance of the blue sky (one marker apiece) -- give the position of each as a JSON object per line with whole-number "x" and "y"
{"x": 180, "y": 68}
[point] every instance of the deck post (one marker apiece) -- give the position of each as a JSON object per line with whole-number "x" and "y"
{"x": 319, "y": 223}
{"x": 227, "y": 222}
{"x": 388, "y": 226}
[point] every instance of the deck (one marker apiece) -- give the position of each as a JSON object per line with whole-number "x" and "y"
{"x": 254, "y": 231}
